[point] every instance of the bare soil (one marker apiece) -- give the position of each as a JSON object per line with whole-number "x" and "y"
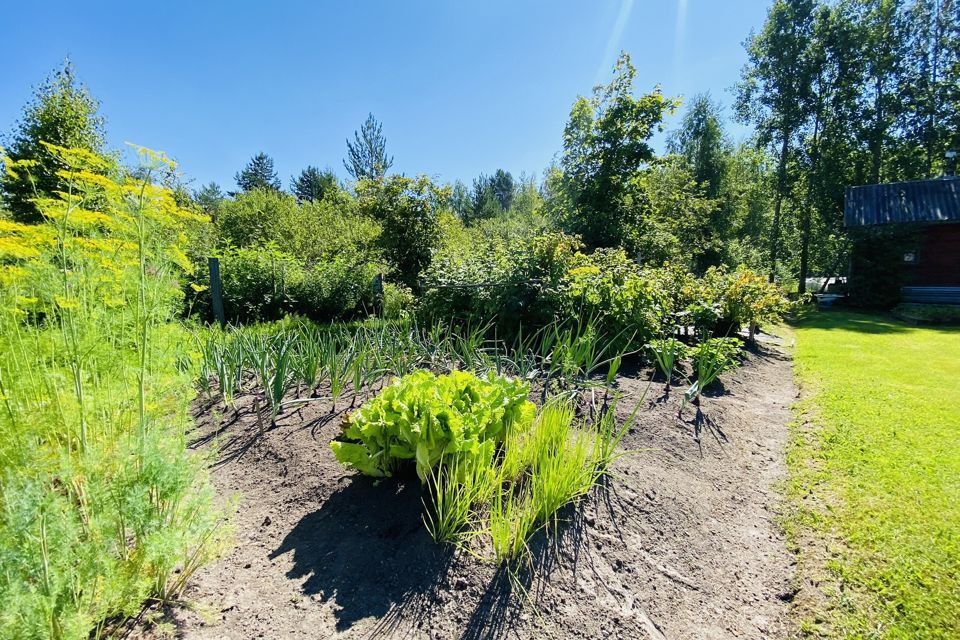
{"x": 681, "y": 543}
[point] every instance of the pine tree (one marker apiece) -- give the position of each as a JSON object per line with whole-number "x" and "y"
{"x": 367, "y": 154}
{"x": 63, "y": 113}
{"x": 209, "y": 197}
{"x": 258, "y": 174}
{"x": 313, "y": 184}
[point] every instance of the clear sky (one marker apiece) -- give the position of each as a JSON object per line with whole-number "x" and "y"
{"x": 461, "y": 87}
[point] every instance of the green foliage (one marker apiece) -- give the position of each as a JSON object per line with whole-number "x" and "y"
{"x": 668, "y": 353}
{"x": 398, "y": 301}
{"x": 515, "y": 283}
{"x": 256, "y": 285}
{"x": 208, "y": 197}
{"x": 258, "y": 175}
{"x": 408, "y": 209}
{"x": 367, "y": 155}
{"x": 711, "y": 358}
{"x": 491, "y": 195}
{"x": 682, "y": 224}
{"x": 313, "y": 184}
{"x": 612, "y": 290}
{"x": 266, "y": 284}
{"x": 103, "y": 507}
{"x": 62, "y": 113}
{"x": 606, "y": 145}
{"x": 422, "y": 418}
{"x": 279, "y": 256}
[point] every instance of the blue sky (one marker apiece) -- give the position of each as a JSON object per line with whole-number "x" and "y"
{"x": 460, "y": 87}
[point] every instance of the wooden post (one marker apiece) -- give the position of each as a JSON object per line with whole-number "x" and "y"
{"x": 216, "y": 291}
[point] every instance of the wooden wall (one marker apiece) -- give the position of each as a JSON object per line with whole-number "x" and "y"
{"x": 938, "y": 257}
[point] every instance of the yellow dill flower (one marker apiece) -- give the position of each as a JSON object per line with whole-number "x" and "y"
{"x": 65, "y": 303}
{"x": 16, "y": 248}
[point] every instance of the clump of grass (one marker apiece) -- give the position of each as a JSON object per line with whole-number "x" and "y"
{"x": 455, "y": 490}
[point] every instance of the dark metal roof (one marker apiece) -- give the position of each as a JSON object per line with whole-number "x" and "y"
{"x": 897, "y": 202}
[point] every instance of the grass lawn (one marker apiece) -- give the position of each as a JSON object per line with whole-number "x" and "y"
{"x": 875, "y": 476}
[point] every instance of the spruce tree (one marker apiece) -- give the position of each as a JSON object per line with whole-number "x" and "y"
{"x": 258, "y": 174}
{"x": 313, "y": 184}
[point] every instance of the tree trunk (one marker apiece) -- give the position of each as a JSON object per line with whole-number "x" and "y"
{"x": 775, "y": 226}
{"x": 877, "y": 131}
{"x": 806, "y": 214}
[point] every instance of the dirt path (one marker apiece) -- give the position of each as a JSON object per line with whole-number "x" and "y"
{"x": 681, "y": 544}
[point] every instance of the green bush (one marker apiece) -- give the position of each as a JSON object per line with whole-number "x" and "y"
{"x": 610, "y": 289}
{"x": 515, "y": 284}
{"x": 536, "y": 281}
{"x": 265, "y": 284}
{"x": 312, "y": 232}
{"x": 743, "y": 297}
{"x": 334, "y": 290}
{"x": 398, "y": 301}
{"x": 423, "y": 418}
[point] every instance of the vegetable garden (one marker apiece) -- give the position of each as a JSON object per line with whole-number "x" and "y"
{"x": 505, "y": 421}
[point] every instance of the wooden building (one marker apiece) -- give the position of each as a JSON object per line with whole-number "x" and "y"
{"x": 930, "y": 211}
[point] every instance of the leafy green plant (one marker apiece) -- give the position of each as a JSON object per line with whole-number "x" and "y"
{"x": 667, "y": 353}
{"x": 711, "y": 358}
{"x": 423, "y": 417}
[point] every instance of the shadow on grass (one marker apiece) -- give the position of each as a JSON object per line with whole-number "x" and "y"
{"x": 859, "y": 321}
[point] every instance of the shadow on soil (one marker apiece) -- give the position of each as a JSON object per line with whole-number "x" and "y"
{"x": 367, "y": 550}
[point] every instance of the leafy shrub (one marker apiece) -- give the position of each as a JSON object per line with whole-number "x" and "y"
{"x": 255, "y": 284}
{"x": 423, "y": 417}
{"x": 312, "y": 232}
{"x": 515, "y": 284}
{"x": 611, "y": 289}
{"x": 398, "y": 301}
{"x": 265, "y": 284}
{"x": 746, "y": 298}
{"x": 334, "y": 290}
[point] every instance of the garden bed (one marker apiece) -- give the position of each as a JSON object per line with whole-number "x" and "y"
{"x": 681, "y": 542}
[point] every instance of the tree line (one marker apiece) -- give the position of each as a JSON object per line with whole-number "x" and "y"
{"x": 836, "y": 92}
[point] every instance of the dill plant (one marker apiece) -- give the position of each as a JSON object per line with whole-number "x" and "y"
{"x": 100, "y": 504}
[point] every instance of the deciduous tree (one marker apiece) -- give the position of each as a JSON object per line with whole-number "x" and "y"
{"x": 62, "y": 112}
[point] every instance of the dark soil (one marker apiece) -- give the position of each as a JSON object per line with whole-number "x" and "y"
{"x": 680, "y": 543}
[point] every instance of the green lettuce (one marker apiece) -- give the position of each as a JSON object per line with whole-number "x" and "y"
{"x": 425, "y": 418}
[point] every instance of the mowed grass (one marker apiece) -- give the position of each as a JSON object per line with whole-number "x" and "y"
{"x": 875, "y": 475}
